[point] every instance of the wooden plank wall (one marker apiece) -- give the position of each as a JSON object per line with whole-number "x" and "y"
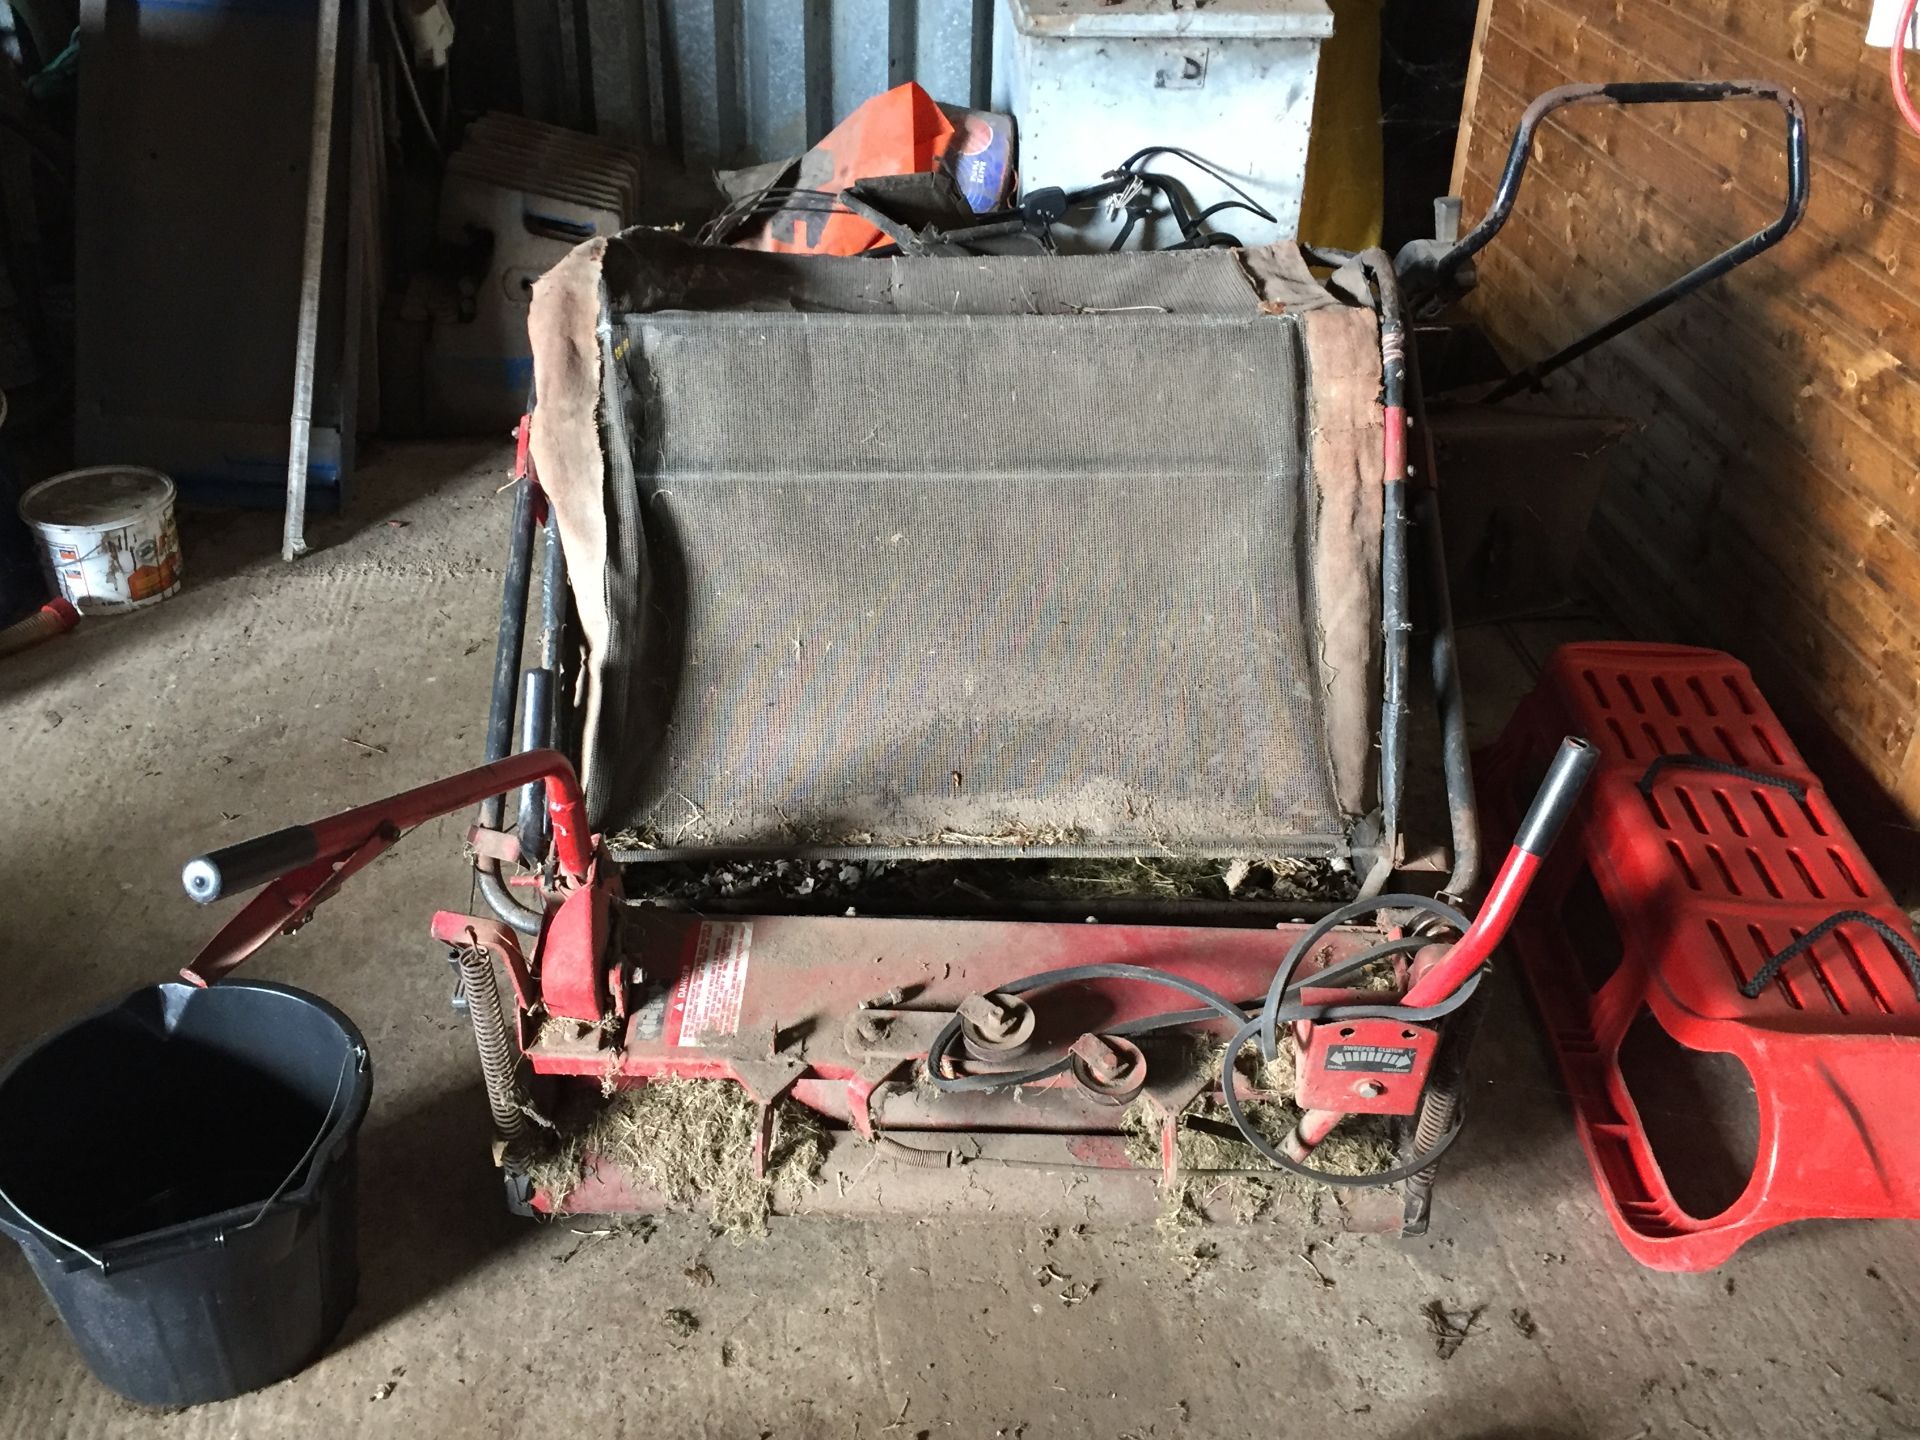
{"x": 1768, "y": 503}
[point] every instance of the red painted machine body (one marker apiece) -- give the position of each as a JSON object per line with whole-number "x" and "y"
{"x": 707, "y": 995}
{"x": 575, "y": 971}
{"x": 1363, "y": 1067}
{"x": 1706, "y": 875}
{"x": 833, "y": 1012}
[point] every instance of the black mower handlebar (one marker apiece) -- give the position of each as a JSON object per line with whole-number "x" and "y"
{"x": 1431, "y": 280}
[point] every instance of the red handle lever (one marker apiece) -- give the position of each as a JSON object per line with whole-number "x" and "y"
{"x": 304, "y": 864}
{"x": 1552, "y": 804}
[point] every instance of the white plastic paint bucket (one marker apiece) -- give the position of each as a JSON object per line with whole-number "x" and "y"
{"x": 107, "y": 538}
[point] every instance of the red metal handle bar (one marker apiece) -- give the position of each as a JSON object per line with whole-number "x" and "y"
{"x": 1552, "y": 804}
{"x": 304, "y": 864}
{"x": 234, "y": 868}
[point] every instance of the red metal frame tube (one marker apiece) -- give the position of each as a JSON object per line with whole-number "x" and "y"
{"x": 1313, "y": 1127}
{"x": 441, "y": 797}
{"x": 566, "y": 817}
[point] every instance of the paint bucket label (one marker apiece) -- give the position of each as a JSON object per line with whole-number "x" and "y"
{"x": 108, "y": 538}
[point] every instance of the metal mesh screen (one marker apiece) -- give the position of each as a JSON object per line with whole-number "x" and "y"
{"x": 969, "y": 579}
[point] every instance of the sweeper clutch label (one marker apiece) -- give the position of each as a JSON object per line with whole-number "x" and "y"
{"x": 1379, "y": 1059}
{"x": 705, "y": 1003}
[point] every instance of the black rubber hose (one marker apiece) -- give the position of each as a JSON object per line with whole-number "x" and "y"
{"x": 1456, "y": 756}
{"x": 501, "y": 704}
{"x": 555, "y": 610}
{"x": 1396, "y": 622}
{"x": 511, "y": 636}
{"x": 536, "y": 699}
{"x": 503, "y": 903}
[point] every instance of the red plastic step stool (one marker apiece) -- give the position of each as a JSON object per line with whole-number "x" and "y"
{"x": 1715, "y": 850}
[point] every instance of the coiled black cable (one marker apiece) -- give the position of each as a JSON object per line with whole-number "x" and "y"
{"x": 1264, "y": 1025}
{"x": 1326, "y": 925}
{"x": 1896, "y": 942}
{"x": 1718, "y": 767}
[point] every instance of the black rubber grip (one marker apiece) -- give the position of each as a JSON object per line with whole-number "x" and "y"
{"x": 1557, "y": 795}
{"x": 253, "y": 862}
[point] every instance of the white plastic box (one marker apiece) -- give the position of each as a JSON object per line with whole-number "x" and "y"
{"x": 1092, "y": 81}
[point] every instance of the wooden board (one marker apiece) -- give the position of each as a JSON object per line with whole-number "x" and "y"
{"x": 1769, "y": 502}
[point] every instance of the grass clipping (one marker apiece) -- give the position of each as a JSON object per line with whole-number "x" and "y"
{"x": 692, "y": 1142}
{"x": 1360, "y": 1145}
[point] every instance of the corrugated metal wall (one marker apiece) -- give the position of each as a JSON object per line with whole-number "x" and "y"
{"x": 732, "y": 82}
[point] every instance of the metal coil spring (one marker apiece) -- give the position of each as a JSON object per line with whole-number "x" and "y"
{"x": 1438, "y": 1108}
{"x": 499, "y": 1065}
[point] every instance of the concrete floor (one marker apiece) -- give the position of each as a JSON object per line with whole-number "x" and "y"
{"x": 264, "y": 694}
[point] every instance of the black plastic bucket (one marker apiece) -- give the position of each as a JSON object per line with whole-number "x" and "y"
{"x": 179, "y": 1169}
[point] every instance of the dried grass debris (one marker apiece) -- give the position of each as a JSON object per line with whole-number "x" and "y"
{"x": 1360, "y": 1145}
{"x": 691, "y": 1141}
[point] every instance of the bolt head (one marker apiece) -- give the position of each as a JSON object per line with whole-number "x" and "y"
{"x": 1103, "y": 1061}
{"x": 1370, "y": 1089}
{"x": 989, "y": 1017}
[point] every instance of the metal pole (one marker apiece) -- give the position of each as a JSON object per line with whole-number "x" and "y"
{"x": 320, "y": 159}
